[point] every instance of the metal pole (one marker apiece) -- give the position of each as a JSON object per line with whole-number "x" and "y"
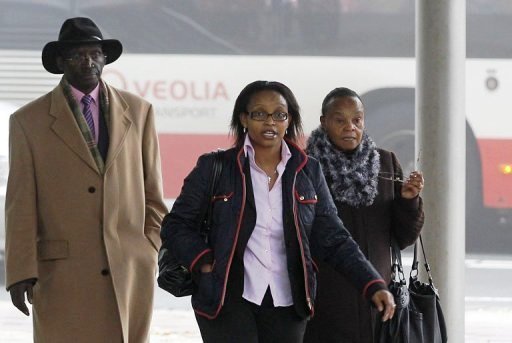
{"x": 441, "y": 146}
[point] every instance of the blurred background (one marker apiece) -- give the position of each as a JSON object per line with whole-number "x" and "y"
{"x": 191, "y": 58}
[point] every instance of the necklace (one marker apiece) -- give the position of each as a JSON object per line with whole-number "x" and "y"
{"x": 271, "y": 176}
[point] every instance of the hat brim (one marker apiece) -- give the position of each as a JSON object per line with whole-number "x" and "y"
{"x": 112, "y": 48}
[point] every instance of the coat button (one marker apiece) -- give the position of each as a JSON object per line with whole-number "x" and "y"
{"x": 92, "y": 189}
{"x": 105, "y": 272}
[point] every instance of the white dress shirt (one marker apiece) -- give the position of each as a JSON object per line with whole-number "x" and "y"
{"x": 265, "y": 255}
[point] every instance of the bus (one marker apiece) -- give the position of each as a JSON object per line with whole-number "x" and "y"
{"x": 191, "y": 59}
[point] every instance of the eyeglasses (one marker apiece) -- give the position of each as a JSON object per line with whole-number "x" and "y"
{"x": 263, "y": 116}
{"x": 389, "y": 176}
{"x": 96, "y": 56}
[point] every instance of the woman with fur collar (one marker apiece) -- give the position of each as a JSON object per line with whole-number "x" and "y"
{"x": 374, "y": 202}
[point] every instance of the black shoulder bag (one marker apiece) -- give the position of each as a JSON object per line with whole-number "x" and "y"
{"x": 174, "y": 277}
{"x": 418, "y": 315}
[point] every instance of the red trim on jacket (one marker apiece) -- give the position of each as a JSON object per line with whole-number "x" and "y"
{"x": 224, "y": 197}
{"x": 194, "y": 261}
{"x": 309, "y": 300}
{"x": 303, "y": 258}
{"x": 371, "y": 283}
{"x": 302, "y": 200}
{"x": 301, "y": 151}
{"x": 315, "y": 266}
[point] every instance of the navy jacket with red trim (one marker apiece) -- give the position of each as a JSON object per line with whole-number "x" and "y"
{"x": 310, "y": 222}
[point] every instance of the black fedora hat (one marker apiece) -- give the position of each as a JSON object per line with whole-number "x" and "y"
{"x": 78, "y": 31}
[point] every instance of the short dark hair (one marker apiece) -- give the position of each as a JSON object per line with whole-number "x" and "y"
{"x": 339, "y": 92}
{"x": 294, "y": 132}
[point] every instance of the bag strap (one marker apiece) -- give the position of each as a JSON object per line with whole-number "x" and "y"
{"x": 415, "y": 262}
{"x": 214, "y": 180}
{"x": 397, "y": 270}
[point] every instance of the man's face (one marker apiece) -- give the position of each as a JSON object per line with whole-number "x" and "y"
{"x": 344, "y": 122}
{"x": 82, "y": 66}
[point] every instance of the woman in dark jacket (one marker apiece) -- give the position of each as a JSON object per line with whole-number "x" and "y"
{"x": 271, "y": 211}
{"x": 374, "y": 203}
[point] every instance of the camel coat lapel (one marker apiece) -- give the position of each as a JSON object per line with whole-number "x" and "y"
{"x": 119, "y": 127}
{"x": 66, "y": 128}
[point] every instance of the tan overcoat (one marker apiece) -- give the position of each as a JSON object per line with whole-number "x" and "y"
{"x": 89, "y": 238}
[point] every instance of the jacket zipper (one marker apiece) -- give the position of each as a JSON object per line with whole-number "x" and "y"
{"x": 233, "y": 248}
{"x": 299, "y": 238}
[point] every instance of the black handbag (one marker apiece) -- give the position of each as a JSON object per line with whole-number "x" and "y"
{"x": 174, "y": 277}
{"x": 418, "y": 315}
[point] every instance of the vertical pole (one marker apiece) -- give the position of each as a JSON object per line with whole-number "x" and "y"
{"x": 441, "y": 146}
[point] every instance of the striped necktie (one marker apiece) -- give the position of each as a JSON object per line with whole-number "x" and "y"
{"x": 87, "y": 111}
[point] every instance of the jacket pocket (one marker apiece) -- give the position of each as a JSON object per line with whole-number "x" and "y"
{"x": 205, "y": 291}
{"x": 222, "y": 197}
{"x": 48, "y": 250}
{"x": 306, "y": 198}
{"x": 221, "y": 214}
{"x": 306, "y": 204}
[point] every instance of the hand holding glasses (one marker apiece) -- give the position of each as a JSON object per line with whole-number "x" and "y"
{"x": 411, "y": 186}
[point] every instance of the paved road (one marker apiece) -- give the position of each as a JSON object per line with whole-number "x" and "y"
{"x": 488, "y": 315}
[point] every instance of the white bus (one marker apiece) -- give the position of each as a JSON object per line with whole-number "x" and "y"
{"x": 191, "y": 58}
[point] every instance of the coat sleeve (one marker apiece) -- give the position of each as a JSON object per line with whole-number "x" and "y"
{"x": 332, "y": 242}
{"x": 407, "y": 214}
{"x": 155, "y": 206}
{"x": 20, "y": 209}
{"x": 180, "y": 229}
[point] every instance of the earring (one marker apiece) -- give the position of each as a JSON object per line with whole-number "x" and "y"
{"x": 245, "y": 129}
{"x": 286, "y": 132}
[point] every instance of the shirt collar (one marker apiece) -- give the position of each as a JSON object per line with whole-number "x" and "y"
{"x": 78, "y": 95}
{"x": 249, "y": 150}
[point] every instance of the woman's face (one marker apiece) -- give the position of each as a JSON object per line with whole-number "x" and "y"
{"x": 344, "y": 122}
{"x": 266, "y": 118}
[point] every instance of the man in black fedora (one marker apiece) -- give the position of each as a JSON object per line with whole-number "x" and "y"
{"x": 84, "y": 199}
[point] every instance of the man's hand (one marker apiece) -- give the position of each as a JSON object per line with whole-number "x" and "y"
{"x": 18, "y": 291}
{"x": 384, "y": 301}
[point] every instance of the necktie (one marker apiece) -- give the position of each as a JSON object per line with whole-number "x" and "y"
{"x": 86, "y": 100}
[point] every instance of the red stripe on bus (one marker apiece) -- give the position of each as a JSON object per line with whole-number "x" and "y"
{"x": 179, "y": 153}
{"x": 497, "y": 186}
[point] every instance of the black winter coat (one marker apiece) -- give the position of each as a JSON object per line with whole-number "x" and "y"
{"x": 310, "y": 221}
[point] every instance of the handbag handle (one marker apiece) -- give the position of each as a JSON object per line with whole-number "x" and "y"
{"x": 214, "y": 179}
{"x": 397, "y": 269}
{"x": 414, "y": 270}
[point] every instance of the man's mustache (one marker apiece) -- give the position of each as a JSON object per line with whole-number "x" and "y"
{"x": 93, "y": 68}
